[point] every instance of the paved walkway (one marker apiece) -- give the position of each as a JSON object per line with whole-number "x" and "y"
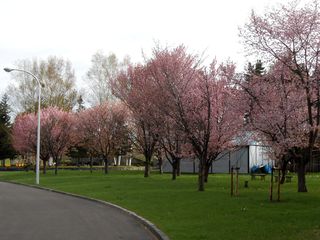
{"x": 35, "y": 214}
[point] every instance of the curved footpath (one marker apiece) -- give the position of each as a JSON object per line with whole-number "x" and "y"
{"x": 33, "y": 213}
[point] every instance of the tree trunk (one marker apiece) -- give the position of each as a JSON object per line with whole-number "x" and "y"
{"x": 56, "y": 167}
{"x": 174, "y": 169}
{"x": 279, "y": 185}
{"x": 271, "y": 186}
{"x": 106, "y": 169}
{"x": 201, "y": 176}
{"x": 301, "y": 171}
{"x": 3, "y": 162}
{"x": 206, "y": 174}
{"x": 174, "y": 173}
{"x": 44, "y": 166}
{"x": 160, "y": 162}
{"x": 27, "y": 166}
{"x": 237, "y": 181}
{"x": 232, "y": 184}
{"x": 147, "y": 169}
{"x": 283, "y": 171}
{"x": 178, "y": 167}
{"x": 207, "y": 169}
{"x": 91, "y": 160}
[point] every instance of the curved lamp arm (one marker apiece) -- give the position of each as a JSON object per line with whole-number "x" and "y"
{"x": 25, "y": 71}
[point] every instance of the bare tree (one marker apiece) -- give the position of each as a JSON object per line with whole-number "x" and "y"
{"x": 59, "y": 78}
{"x": 103, "y": 69}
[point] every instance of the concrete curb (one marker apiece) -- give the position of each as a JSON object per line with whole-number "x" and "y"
{"x": 149, "y": 225}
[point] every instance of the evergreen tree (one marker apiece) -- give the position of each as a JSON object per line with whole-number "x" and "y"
{"x": 259, "y": 69}
{"x": 6, "y": 148}
{"x": 80, "y": 104}
{"x": 254, "y": 70}
{"x": 5, "y": 111}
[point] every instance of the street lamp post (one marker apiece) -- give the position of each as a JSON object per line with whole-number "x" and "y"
{"x": 38, "y": 131}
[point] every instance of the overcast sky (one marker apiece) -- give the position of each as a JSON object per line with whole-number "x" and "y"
{"x": 75, "y": 30}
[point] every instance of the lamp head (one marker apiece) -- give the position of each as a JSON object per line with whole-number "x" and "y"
{"x": 8, "y": 69}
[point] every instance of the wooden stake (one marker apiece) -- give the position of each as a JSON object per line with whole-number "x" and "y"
{"x": 237, "y": 181}
{"x": 279, "y": 175}
{"x": 231, "y": 181}
{"x": 271, "y": 185}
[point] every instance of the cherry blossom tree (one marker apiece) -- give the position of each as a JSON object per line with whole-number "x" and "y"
{"x": 276, "y": 112}
{"x": 24, "y": 136}
{"x": 199, "y": 101}
{"x": 24, "y": 133}
{"x": 173, "y": 142}
{"x": 56, "y": 134}
{"x": 134, "y": 88}
{"x": 291, "y": 34}
{"x": 103, "y": 129}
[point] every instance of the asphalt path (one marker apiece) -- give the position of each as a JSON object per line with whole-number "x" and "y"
{"x": 31, "y": 213}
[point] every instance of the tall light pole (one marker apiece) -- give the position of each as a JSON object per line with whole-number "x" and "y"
{"x": 39, "y": 105}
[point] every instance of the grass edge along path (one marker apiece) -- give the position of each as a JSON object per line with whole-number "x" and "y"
{"x": 181, "y": 212}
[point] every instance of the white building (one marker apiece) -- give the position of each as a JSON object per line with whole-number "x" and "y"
{"x": 244, "y": 158}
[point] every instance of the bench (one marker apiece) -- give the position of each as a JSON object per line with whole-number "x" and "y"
{"x": 261, "y": 175}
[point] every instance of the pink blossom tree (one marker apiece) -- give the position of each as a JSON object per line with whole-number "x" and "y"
{"x": 103, "y": 129}
{"x": 291, "y": 34}
{"x": 172, "y": 142}
{"x": 134, "y": 88}
{"x": 24, "y": 137}
{"x": 24, "y": 133}
{"x": 56, "y": 134}
{"x": 276, "y": 112}
{"x": 199, "y": 101}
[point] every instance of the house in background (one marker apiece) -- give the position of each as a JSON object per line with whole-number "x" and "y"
{"x": 244, "y": 158}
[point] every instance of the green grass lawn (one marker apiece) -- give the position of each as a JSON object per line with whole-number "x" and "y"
{"x": 182, "y": 212}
